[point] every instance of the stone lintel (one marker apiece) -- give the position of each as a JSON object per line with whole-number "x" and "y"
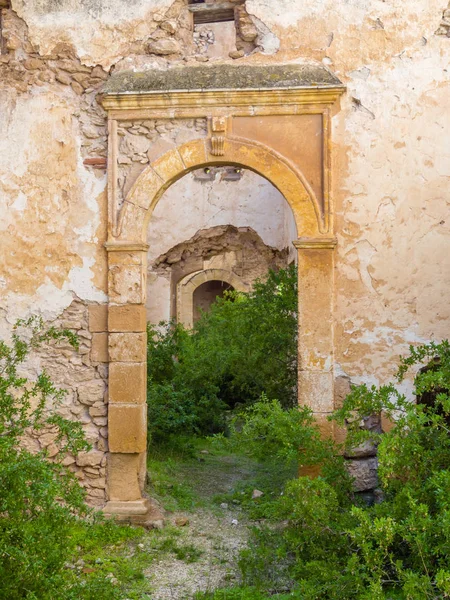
{"x": 223, "y": 77}
{"x": 223, "y": 86}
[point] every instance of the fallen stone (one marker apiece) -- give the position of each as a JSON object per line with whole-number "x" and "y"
{"x": 181, "y": 521}
{"x": 257, "y": 494}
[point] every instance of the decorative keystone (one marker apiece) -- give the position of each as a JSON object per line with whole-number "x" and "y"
{"x": 218, "y": 126}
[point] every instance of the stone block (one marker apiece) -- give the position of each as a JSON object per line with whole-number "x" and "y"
{"x": 364, "y": 472}
{"x": 99, "y": 348}
{"x": 325, "y": 426}
{"x": 102, "y": 445}
{"x": 149, "y": 183}
{"x": 123, "y": 485}
{"x": 98, "y": 411}
{"x": 98, "y": 318}
{"x": 91, "y": 392}
{"x": 128, "y": 383}
{"x": 342, "y": 389}
{"x": 126, "y": 257}
{"x": 100, "y": 483}
{"x": 89, "y": 459}
{"x": 95, "y": 493}
{"x": 316, "y": 390}
{"x": 131, "y": 222}
{"x": 127, "y": 318}
{"x": 366, "y": 449}
{"x": 169, "y": 165}
{"x": 127, "y": 428}
{"x": 127, "y": 347}
{"x": 193, "y": 153}
{"x": 125, "y": 284}
{"x": 164, "y": 47}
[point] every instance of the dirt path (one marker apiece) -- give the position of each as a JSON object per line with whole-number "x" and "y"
{"x": 219, "y": 538}
{"x": 214, "y": 534}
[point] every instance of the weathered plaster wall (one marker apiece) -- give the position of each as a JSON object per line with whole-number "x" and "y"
{"x": 391, "y": 156}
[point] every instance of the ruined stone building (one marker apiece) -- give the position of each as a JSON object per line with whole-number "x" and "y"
{"x": 154, "y": 153}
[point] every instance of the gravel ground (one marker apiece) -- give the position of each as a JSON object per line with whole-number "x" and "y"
{"x": 220, "y": 535}
{"x": 218, "y": 532}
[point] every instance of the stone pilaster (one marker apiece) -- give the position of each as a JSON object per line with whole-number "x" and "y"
{"x": 127, "y": 347}
{"x": 315, "y": 336}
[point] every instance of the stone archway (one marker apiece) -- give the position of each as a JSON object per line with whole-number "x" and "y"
{"x": 187, "y": 286}
{"x": 127, "y": 250}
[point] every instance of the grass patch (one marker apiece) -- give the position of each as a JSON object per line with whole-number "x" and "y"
{"x": 166, "y": 465}
{"x": 118, "y": 555}
{"x": 204, "y": 474}
{"x": 239, "y": 593}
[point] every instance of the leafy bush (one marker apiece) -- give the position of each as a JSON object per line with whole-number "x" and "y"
{"x": 244, "y": 346}
{"x": 247, "y": 593}
{"x": 332, "y": 546}
{"x": 40, "y": 500}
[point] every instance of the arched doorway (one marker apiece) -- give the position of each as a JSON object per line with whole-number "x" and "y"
{"x": 229, "y": 113}
{"x": 206, "y": 294}
{"x": 198, "y": 290}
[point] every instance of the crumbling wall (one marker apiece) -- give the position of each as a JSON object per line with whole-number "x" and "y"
{"x": 234, "y": 250}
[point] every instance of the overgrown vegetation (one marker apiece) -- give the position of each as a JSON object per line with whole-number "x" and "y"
{"x": 332, "y": 546}
{"x": 45, "y": 524}
{"x": 314, "y": 539}
{"x": 244, "y": 346}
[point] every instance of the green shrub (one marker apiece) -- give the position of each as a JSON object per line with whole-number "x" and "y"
{"x": 40, "y": 500}
{"x": 244, "y": 346}
{"x": 332, "y": 546}
{"x": 247, "y": 593}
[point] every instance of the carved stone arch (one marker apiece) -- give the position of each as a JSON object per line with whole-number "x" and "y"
{"x": 171, "y": 166}
{"x": 258, "y": 118}
{"x": 187, "y": 286}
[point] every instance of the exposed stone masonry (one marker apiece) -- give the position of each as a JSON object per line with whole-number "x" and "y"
{"x": 141, "y": 142}
{"x": 83, "y": 374}
{"x": 252, "y": 257}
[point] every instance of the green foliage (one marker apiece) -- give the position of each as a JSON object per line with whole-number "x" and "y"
{"x": 250, "y": 341}
{"x": 244, "y": 346}
{"x": 270, "y": 433}
{"x": 40, "y": 500}
{"x": 244, "y": 593}
{"x": 332, "y": 546}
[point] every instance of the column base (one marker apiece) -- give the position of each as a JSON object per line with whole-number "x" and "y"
{"x": 145, "y": 512}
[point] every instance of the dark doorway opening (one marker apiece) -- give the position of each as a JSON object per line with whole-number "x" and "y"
{"x": 207, "y": 293}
